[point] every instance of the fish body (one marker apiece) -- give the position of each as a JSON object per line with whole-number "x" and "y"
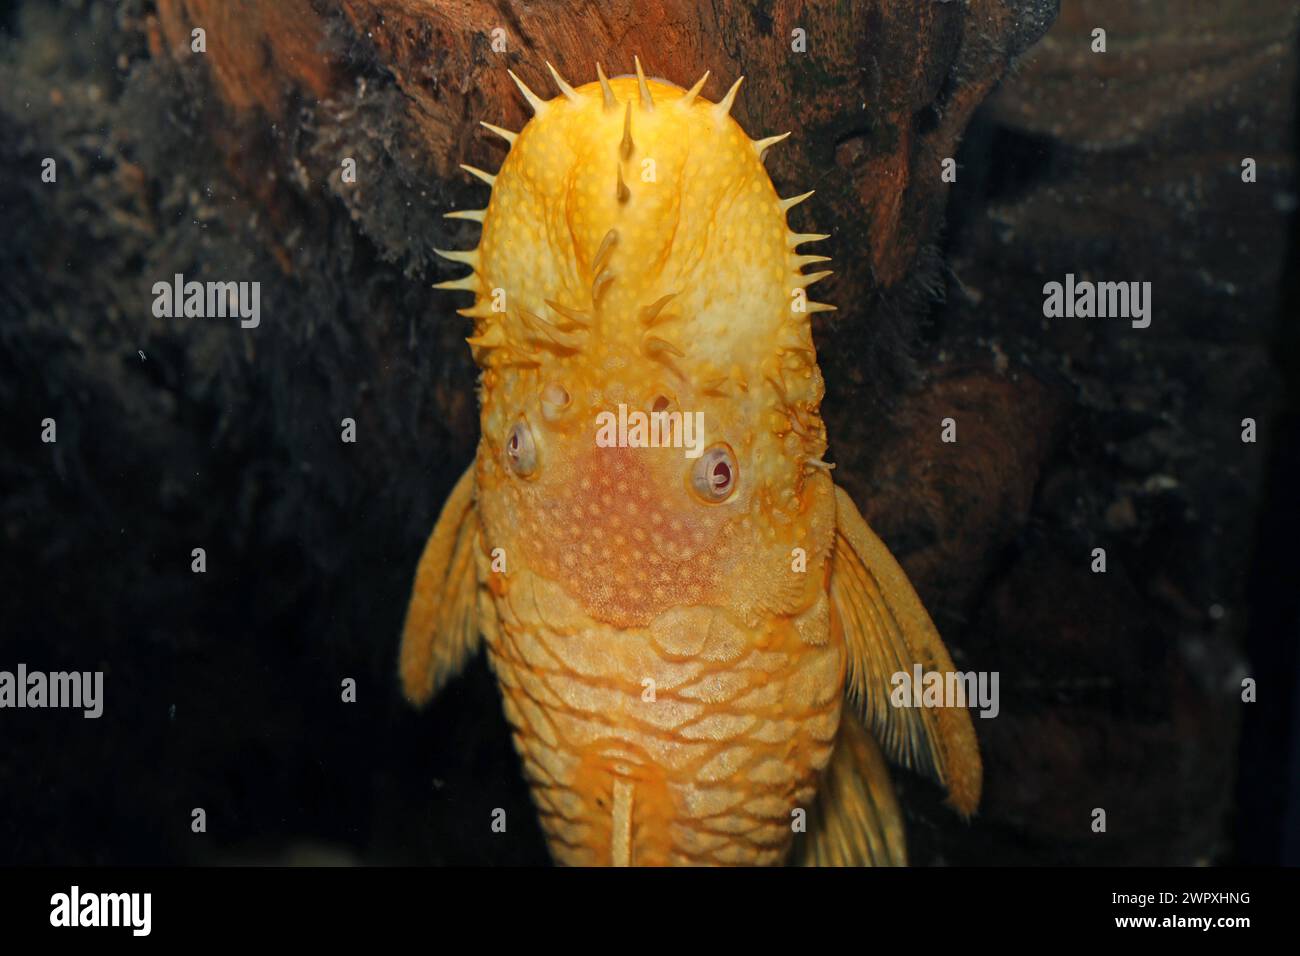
{"x": 708, "y": 710}
{"x": 675, "y": 608}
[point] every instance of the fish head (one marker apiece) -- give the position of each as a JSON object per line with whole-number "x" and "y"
{"x": 650, "y": 394}
{"x": 637, "y": 493}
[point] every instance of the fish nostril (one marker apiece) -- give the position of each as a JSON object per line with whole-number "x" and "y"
{"x": 555, "y": 399}
{"x": 661, "y": 404}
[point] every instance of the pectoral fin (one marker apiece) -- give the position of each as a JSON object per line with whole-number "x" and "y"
{"x": 855, "y": 819}
{"x": 886, "y": 630}
{"x": 442, "y": 625}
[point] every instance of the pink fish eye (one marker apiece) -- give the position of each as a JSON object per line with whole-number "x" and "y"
{"x": 715, "y": 474}
{"x": 521, "y": 454}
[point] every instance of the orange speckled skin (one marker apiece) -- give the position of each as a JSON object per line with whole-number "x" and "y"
{"x": 638, "y": 632}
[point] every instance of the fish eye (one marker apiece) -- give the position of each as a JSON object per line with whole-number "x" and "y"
{"x": 521, "y": 452}
{"x": 715, "y": 474}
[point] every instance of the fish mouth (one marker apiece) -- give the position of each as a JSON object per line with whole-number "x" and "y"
{"x": 619, "y": 532}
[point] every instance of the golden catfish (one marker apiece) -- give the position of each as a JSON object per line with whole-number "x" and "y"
{"x": 675, "y": 597}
